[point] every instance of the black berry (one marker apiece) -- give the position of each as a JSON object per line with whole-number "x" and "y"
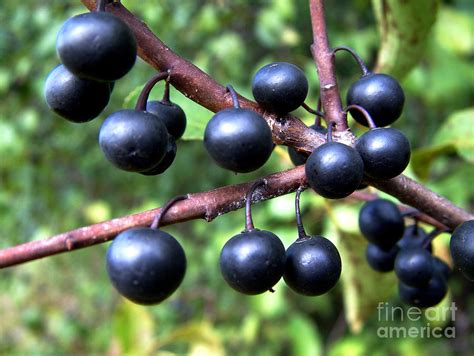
{"x": 385, "y": 152}
{"x": 238, "y": 139}
{"x": 172, "y": 115}
{"x": 462, "y": 248}
{"x": 280, "y": 87}
{"x": 381, "y": 260}
{"x": 313, "y": 266}
{"x": 414, "y": 236}
{"x": 442, "y": 268}
{"x": 414, "y": 267}
{"x": 334, "y": 170}
{"x": 252, "y": 262}
{"x": 145, "y": 265}
{"x": 424, "y": 297}
{"x": 75, "y": 99}
{"x": 133, "y": 140}
{"x": 380, "y": 95}
{"x": 97, "y": 46}
{"x": 299, "y": 158}
{"x": 166, "y": 161}
{"x": 381, "y": 223}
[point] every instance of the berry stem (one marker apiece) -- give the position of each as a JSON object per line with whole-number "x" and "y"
{"x": 432, "y": 235}
{"x": 301, "y": 232}
{"x": 364, "y": 112}
{"x": 157, "y": 220}
{"x": 312, "y": 111}
{"x": 248, "y": 204}
{"x": 166, "y": 94}
{"x": 145, "y": 93}
{"x": 354, "y": 54}
{"x": 233, "y": 94}
{"x": 330, "y": 129}
{"x": 317, "y": 120}
{"x": 100, "y": 5}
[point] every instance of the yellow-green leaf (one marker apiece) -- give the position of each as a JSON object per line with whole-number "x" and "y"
{"x": 403, "y": 27}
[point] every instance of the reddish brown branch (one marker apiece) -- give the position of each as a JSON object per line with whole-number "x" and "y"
{"x": 206, "y": 205}
{"x": 199, "y": 87}
{"x": 324, "y": 59}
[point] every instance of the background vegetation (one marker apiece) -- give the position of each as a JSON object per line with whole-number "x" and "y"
{"x": 53, "y": 178}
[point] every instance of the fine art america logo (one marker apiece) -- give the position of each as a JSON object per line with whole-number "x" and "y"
{"x": 440, "y": 315}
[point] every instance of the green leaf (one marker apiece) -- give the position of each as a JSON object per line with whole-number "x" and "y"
{"x": 202, "y": 337}
{"x": 133, "y": 329}
{"x": 363, "y": 288}
{"x": 456, "y": 134}
{"x": 422, "y": 159}
{"x": 458, "y": 131}
{"x": 453, "y": 31}
{"x": 304, "y": 336}
{"x": 404, "y": 27}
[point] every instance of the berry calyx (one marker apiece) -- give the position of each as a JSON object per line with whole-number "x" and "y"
{"x": 313, "y": 263}
{"x": 238, "y": 139}
{"x": 74, "y": 99}
{"x": 462, "y": 249}
{"x": 380, "y": 94}
{"x": 280, "y": 87}
{"x": 253, "y": 261}
{"x": 381, "y": 223}
{"x": 97, "y": 46}
{"x": 385, "y": 152}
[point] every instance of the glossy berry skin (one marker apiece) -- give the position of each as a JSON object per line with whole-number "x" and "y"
{"x": 442, "y": 268}
{"x": 280, "y": 87}
{"x": 299, "y": 158}
{"x": 252, "y": 262}
{"x": 424, "y": 297}
{"x": 414, "y": 236}
{"x": 145, "y": 265}
{"x": 167, "y": 160}
{"x": 132, "y": 140}
{"x": 414, "y": 267}
{"x": 238, "y": 139}
{"x": 97, "y": 46}
{"x": 385, "y": 152}
{"x": 313, "y": 266}
{"x": 75, "y": 99}
{"x": 381, "y": 223}
{"x": 381, "y": 95}
{"x": 381, "y": 260}
{"x": 462, "y": 249}
{"x": 172, "y": 115}
{"x": 334, "y": 170}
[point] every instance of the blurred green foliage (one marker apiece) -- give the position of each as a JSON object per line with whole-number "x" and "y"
{"x": 53, "y": 178}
